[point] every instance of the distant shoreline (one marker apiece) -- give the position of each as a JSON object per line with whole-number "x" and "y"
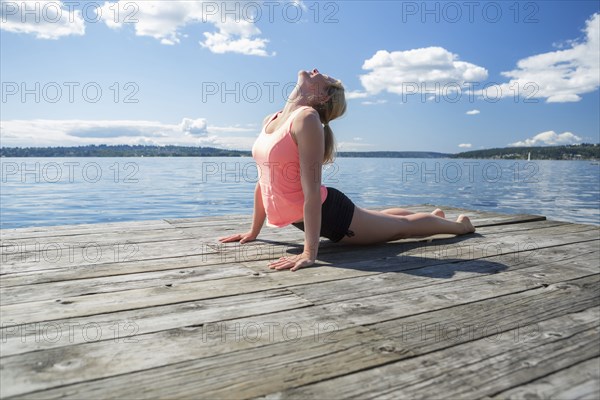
{"x": 589, "y": 152}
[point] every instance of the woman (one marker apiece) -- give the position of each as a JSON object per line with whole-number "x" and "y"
{"x": 290, "y": 151}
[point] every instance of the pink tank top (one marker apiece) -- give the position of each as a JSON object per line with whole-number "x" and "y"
{"x": 278, "y": 163}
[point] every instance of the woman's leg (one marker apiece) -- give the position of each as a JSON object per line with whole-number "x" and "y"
{"x": 371, "y": 227}
{"x": 402, "y": 211}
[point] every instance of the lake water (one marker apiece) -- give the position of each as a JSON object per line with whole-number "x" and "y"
{"x": 59, "y": 191}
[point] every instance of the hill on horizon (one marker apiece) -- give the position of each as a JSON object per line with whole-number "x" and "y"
{"x": 583, "y": 151}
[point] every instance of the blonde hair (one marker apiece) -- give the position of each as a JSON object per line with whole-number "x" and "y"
{"x": 333, "y": 108}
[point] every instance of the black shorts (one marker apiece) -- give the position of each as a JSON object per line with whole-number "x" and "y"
{"x": 336, "y": 215}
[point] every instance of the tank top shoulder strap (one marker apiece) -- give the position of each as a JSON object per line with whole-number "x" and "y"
{"x": 294, "y": 114}
{"x": 302, "y": 108}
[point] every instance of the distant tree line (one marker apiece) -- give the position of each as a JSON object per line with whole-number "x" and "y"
{"x": 178, "y": 151}
{"x": 584, "y": 151}
{"x": 393, "y": 154}
{"x": 120, "y": 151}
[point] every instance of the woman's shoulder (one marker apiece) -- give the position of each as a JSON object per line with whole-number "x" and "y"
{"x": 307, "y": 115}
{"x": 306, "y": 120}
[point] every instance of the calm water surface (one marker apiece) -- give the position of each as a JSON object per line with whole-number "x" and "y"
{"x": 59, "y": 191}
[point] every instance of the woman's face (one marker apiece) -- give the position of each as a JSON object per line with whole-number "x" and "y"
{"x": 314, "y": 82}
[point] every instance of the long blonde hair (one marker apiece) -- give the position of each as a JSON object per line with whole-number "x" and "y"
{"x": 333, "y": 108}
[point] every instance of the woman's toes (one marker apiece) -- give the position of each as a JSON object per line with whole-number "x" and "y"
{"x": 463, "y": 219}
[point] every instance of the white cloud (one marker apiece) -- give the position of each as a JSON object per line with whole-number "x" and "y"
{"x": 472, "y": 112}
{"x": 46, "y": 19}
{"x": 354, "y": 145}
{"x": 356, "y": 94}
{"x": 563, "y": 75}
{"x": 465, "y": 145}
{"x": 189, "y": 132}
{"x": 423, "y": 70}
{"x": 548, "y": 138}
{"x": 369, "y": 103}
{"x": 234, "y": 129}
{"x": 220, "y": 43}
{"x": 194, "y": 127}
{"x": 164, "y": 20}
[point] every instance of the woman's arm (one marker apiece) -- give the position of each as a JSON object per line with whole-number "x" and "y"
{"x": 259, "y": 214}
{"x": 309, "y": 135}
{"x": 258, "y": 219}
{"x": 311, "y": 147}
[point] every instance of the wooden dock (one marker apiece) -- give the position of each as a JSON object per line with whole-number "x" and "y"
{"x": 161, "y": 309}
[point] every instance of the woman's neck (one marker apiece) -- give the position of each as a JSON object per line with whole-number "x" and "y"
{"x": 295, "y": 100}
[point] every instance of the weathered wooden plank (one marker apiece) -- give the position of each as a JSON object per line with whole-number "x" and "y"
{"x": 25, "y": 248}
{"x": 471, "y": 370}
{"x": 56, "y": 257}
{"x": 168, "y": 293}
{"x": 208, "y": 219}
{"x": 509, "y": 220}
{"x": 67, "y": 230}
{"x": 581, "y": 381}
{"x": 135, "y": 232}
{"x": 96, "y": 239}
{"x": 119, "y": 283}
{"x": 213, "y": 270}
{"x": 124, "y": 326}
{"x": 519, "y": 227}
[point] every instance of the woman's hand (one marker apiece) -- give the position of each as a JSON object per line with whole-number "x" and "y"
{"x": 293, "y": 262}
{"x": 239, "y": 237}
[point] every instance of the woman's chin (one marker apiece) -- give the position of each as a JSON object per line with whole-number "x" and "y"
{"x": 303, "y": 76}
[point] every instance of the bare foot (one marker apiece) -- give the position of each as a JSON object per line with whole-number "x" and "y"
{"x": 438, "y": 212}
{"x": 463, "y": 219}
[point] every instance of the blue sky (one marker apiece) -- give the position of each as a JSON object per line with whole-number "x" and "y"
{"x": 207, "y": 73}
